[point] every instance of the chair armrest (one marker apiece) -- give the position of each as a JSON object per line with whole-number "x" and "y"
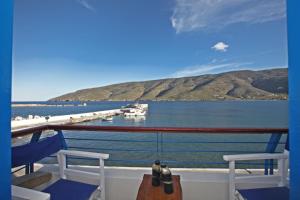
{"x": 84, "y": 154}
{"x": 256, "y": 156}
{"x": 24, "y": 193}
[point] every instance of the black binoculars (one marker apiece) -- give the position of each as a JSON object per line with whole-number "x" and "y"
{"x": 161, "y": 173}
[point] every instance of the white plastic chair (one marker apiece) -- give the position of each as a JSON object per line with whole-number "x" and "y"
{"x": 24, "y": 193}
{"x": 63, "y": 188}
{"x": 281, "y": 178}
{"x": 66, "y": 185}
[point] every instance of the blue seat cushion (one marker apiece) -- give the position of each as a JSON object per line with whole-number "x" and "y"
{"x": 274, "y": 193}
{"x": 70, "y": 190}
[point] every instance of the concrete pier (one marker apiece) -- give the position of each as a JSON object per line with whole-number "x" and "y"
{"x": 64, "y": 119}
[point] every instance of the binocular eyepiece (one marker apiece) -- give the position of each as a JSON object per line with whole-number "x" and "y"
{"x": 161, "y": 173}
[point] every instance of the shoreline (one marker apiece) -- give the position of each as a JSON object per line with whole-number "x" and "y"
{"x": 41, "y": 105}
{"x": 13, "y": 105}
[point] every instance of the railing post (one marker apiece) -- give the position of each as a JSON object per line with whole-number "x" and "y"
{"x": 34, "y": 138}
{"x": 271, "y": 147}
{"x": 157, "y": 146}
{"x": 65, "y": 146}
{"x": 59, "y": 132}
{"x": 161, "y": 145}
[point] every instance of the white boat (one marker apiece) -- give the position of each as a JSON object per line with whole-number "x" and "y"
{"x": 135, "y": 106}
{"x": 107, "y": 119}
{"x": 135, "y": 118}
{"x": 135, "y": 112}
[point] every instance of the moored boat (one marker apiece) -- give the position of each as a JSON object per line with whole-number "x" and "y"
{"x": 135, "y": 112}
{"x": 109, "y": 118}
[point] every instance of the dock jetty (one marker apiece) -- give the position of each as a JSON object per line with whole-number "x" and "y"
{"x": 31, "y": 121}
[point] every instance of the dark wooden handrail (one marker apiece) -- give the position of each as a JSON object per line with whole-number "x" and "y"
{"x": 29, "y": 131}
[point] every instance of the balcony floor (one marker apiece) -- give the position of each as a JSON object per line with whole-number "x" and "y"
{"x": 122, "y": 183}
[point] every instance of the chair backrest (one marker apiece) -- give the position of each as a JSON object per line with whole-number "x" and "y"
{"x": 33, "y": 152}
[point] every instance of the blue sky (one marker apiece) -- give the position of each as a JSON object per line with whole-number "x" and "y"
{"x": 64, "y": 45}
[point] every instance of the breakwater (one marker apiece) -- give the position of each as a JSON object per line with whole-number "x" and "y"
{"x": 63, "y": 119}
{"x": 135, "y": 110}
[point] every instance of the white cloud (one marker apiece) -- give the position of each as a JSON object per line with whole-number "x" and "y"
{"x": 191, "y": 15}
{"x": 86, "y": 4}
{"x": 215, "y": 68}
{"x": 206, "y": 69}
{"x": 220, "y": 46}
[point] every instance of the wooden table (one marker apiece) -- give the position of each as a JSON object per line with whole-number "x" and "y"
{"x": 149, "y": 192}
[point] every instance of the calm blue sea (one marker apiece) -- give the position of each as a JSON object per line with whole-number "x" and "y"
{"x": 194, "y": 150}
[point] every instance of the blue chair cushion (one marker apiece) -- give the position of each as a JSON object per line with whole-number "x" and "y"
{"x": 274, "y": 193}
{"x": 70, "y": 190}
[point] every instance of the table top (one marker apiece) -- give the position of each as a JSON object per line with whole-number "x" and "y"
{"x": 149, "y": 192}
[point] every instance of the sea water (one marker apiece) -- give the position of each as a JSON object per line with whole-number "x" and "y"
{"x": 179, "y": 150}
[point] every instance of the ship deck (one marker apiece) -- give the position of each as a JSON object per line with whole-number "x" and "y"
{"x": 123, "y": 182}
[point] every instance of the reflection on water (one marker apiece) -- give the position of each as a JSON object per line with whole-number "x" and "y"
{"x": 135, "y": 119}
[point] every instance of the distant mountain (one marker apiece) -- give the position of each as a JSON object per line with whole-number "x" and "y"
{"x": 246, "y": 84}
